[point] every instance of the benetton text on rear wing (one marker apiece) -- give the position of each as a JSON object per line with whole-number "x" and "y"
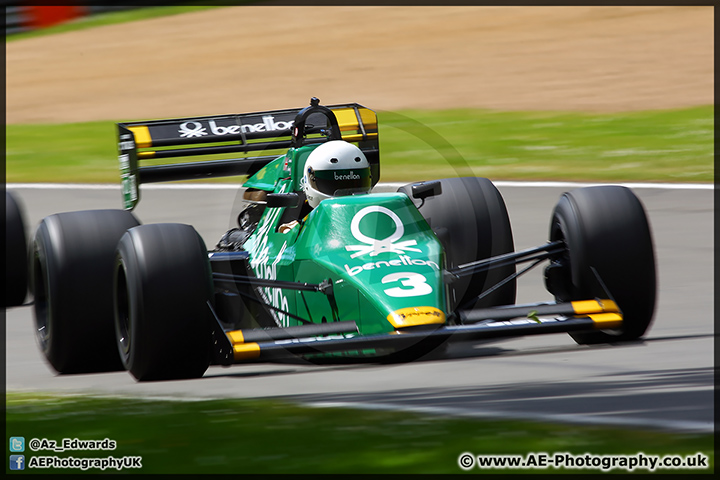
{"x": 235, "y": 133}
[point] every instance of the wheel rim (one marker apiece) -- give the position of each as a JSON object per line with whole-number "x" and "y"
{"x": 40, "y": 302}
{"x": 122, "y": 314}
{"x": 562, "y": 292}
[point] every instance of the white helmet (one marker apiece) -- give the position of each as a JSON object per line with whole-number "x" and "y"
{"x": 334, "y": 169}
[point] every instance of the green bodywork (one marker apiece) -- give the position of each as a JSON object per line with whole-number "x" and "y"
{"x": 376, "y": 249}
{"x": 379, "y": 262}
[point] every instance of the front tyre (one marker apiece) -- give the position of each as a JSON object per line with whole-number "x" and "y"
{"x": 471, "y": 221}
{"x": 163, "y": 282}
{"x": 605, "y": 228}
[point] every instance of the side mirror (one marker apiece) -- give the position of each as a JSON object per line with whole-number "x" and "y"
{"x": 277, "y": 200}
{"x": 423, "y": 190}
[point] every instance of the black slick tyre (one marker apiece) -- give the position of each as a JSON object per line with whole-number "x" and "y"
{"x": 72, "y": 260}
{"x": 471, "y": 221}
{"x": 16, "y": 255}
{"x": 163, "y": 282}
{"x": 605, "y": 228}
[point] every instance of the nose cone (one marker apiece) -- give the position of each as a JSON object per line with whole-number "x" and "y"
{"x": 382, "y": 247}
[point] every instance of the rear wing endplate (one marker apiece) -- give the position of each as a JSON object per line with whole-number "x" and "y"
{"x": 269, "y": 131}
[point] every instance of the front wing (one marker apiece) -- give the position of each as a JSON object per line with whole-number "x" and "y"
{"x": 512, "y": 321}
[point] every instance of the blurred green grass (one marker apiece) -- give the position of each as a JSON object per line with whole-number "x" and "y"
{"x": 651, "y": 146}
{"x": 268, "y": 436}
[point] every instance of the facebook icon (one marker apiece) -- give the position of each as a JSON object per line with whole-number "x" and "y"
{"x": 17, "y": 462}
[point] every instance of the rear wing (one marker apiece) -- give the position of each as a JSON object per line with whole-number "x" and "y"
{"x": 269, "y": 131}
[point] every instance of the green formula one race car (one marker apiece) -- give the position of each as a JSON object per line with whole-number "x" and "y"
{"x": 319, "y": 266}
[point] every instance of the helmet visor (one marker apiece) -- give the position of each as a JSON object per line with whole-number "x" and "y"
{"x": 340, "y": 182}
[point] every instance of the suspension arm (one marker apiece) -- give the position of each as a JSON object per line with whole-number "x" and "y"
{"x": 261, "y": 282}
{"x": 531, "y": 254}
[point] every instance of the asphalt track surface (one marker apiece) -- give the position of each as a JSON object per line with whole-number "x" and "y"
{"x": 664, "y": 381}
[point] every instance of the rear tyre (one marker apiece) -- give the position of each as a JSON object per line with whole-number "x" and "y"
{"x": 73, "y": 255}
{"x": 606, "y": 228}
{"x": 16, "y": 255}
{"x": 471, "y": 221}
{"x": 163, "y": 282}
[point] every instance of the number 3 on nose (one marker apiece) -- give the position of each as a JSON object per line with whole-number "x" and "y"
{"x": 414, "y": 283}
